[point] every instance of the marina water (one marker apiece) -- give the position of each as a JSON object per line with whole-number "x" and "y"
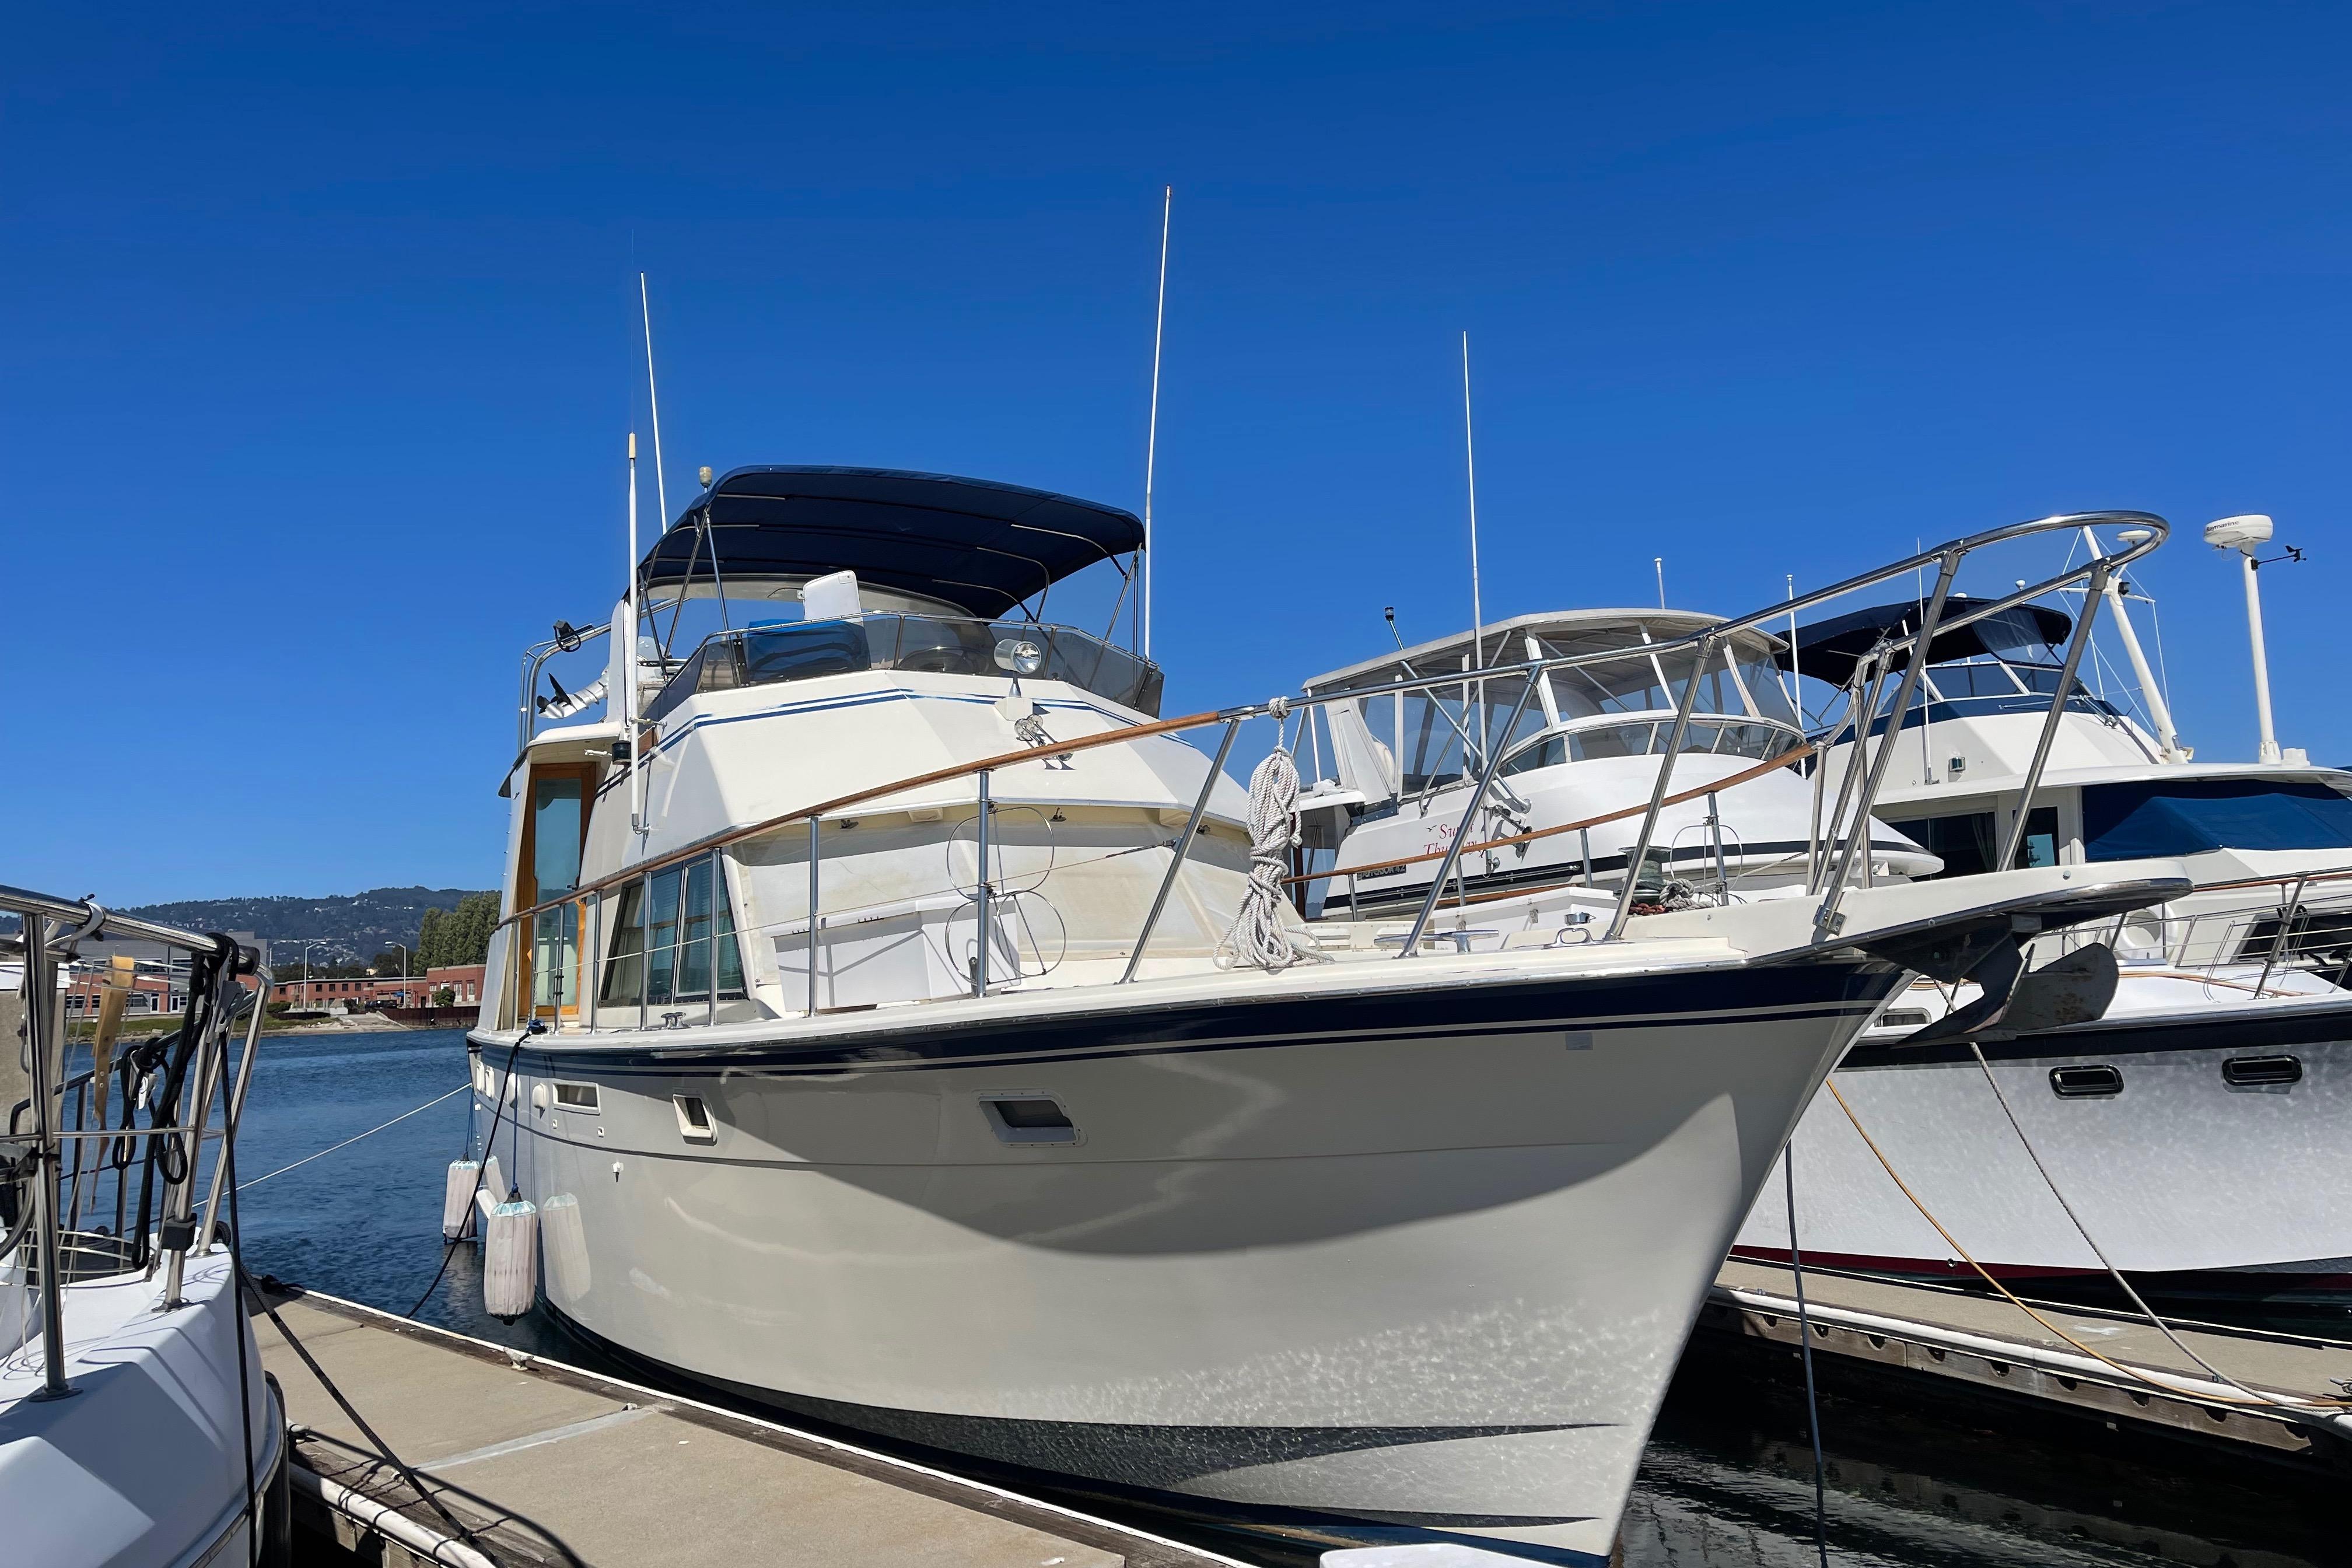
{"x": 1727, "y": 1477}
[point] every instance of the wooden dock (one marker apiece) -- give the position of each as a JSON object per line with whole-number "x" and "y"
{"x": 2289, "y": 1402}
{"x": 546, "y": 1464}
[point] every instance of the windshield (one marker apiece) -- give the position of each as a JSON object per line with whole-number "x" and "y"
{"x": 767, "y": 653}
{"x": 2161, "y": 817}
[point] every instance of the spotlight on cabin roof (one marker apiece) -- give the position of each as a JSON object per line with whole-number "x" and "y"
{"x": 2245, "y": 533}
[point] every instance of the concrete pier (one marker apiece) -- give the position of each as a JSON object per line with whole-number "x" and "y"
{"x": 548, "y": 1464}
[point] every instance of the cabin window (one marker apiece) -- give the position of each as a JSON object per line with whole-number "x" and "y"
{"x": 576, "y": 1096}
{"x": 2188, "y": 817}
{"x": 1965, "y": 843}
{"x": 555, "y": 817}
{"x": 2040, "y": 845}
{"x": 674, "y": 940}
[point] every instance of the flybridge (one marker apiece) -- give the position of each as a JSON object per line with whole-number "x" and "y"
{"x": 976, "y": 545}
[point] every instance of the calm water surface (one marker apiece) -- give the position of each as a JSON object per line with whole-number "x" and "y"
{"x": 1728, "y": 1478}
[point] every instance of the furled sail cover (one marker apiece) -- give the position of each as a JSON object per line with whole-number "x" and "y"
{"x": 981, "y": 546}
{"x": 2025, "y": 634}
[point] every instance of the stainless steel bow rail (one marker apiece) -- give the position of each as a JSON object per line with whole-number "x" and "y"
{"x": 155, "y": 1075}
{"x": 1839, "y": 843}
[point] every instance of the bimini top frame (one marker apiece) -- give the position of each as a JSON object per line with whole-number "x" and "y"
{"x": 1939, "y": 616}
{"x": 975, "y": 545}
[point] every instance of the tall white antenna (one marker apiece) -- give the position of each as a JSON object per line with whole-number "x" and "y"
{"x": 661, "y": 490}
{"x": 1659, "y": 562}
{"x": 1151, "y": 441}
{"x": 1470, "y": 463}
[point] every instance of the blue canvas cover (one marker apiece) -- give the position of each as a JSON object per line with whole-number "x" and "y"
{"x": 2186, "y": 817}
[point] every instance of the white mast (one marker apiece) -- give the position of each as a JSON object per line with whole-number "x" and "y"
{"x": 629, "y": 661}
{"x": 1470, "y": 463}
{"x": 1151, "y": 441}
{"x": 2245, "y": 535}
{"x": 661, "y": 490}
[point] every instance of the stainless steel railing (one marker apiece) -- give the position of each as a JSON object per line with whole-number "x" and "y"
{"x": 1840, "y": 843}
{"x": 52, "y": 930}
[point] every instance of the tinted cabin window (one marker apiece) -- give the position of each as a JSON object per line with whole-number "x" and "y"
{"x": 1965, "y": 844}
{"x": 803, "y": 652}
{"x": 2158, "y": 818}
{"x": 2040, "y": 845}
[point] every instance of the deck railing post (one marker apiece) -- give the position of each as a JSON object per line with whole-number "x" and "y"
{"x": 41, "y": 1033}
{"x": 815, "y": 854}
{"x": 230, "y": 1117}
{"x": 212, "y": 1062}
{"x": 2286, "y": 934}
{"x": 2091, "y": 595}
{"x": 1862, "y": 706}
{"x": 987, "y": 896}
{"x": 1183, "y": 848}
{"x": 1857, "y": 840}
{"x": 1641, "y": 855}
{"x": 1462, "y": 829}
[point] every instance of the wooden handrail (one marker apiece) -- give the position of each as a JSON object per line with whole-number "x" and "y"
{"x": 705, "y": 845}
{"x": 1758, "y": 771}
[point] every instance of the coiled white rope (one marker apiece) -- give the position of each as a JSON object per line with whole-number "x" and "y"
{"x": 1257, "y": 935}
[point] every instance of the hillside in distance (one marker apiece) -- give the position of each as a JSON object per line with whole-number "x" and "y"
{"x": 351, "y": 926}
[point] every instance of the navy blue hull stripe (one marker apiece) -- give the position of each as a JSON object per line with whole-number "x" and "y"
{"x": 1749, "y": 997}
{"x": 2257, "y": 1028}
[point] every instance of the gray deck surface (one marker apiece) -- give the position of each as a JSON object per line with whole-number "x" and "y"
{"x": 2273, "y": 1363}
{"x": 586, "y": 1469}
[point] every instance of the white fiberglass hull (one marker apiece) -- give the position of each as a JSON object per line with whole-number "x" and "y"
{"x": 1368, "y": 1261}
{"x": 2231, "y": 1188}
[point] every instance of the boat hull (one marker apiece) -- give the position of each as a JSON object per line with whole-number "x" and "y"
{"x": 2194, "y": 1185}
{"x": 1410, "y": 1265}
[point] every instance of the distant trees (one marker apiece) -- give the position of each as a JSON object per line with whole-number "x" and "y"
{"x": 454, "y": 938}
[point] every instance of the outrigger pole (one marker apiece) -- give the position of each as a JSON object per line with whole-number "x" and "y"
{"x": 1151, "y": 439}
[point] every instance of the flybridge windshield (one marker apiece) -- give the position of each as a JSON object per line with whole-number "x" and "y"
{"x": 933, "y": 645}
{"x": 2188, "y": 817}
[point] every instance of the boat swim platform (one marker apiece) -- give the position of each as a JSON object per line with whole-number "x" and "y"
{"x": 553, "y": 1465}
{"x": 1967, "y": 1343}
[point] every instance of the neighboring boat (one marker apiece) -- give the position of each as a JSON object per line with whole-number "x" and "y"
{"x": 136, "y": 1425}
{"x": 894, "y": 1022}
{"x": 2196, "y": 1129}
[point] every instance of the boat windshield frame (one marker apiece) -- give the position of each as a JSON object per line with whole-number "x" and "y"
{"x": 770, "y": 653}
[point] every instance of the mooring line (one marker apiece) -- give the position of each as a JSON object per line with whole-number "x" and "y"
{"x": 357, "y": 1136}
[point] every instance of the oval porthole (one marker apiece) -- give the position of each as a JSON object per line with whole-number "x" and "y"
{"x": 2262, "y": 1072}
{"x": 2085, "y": 1082}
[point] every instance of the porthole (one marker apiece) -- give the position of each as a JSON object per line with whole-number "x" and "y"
{"x": 694, "y": 1118}
{"x": 2087, "y": 1082}
{"x": 2262, "y": 1072}
{"x": 575, "y": 1096}
{"x": 1028, "y": 1117}
{"x": 1903, "y": 1018}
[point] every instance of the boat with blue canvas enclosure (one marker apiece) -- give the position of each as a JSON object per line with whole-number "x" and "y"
{"x": 2188, "y": 1129}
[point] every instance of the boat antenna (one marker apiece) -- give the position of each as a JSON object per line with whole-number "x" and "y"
{"x": 653, "y": 400}
{"x": 1470, "y": 465}
{"x": 1390, "y": 611}
{"x": 1152, "y": 437}
{"x": 1658, "y": 563}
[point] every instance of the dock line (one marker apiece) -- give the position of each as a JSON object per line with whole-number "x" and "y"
{"x": 2326, "y": 1413}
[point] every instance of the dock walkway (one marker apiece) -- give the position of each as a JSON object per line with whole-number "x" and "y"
{"x": 549, "y": 1464}
{"x": 1987, "y": 1344}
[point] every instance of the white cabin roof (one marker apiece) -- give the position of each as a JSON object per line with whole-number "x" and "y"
{"x": 1444, "y": 654}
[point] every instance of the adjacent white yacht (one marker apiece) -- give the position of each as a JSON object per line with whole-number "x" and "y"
{"x": 894, "y": 1021}
{"x": 137, "y": 1428}
{"x": 2196, "y": 1129}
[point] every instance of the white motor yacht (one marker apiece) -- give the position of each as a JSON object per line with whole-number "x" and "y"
{"x": 2194, "y": 1128}
{"x": 894, "y": 1021}
{"x": 137, "y": 1428}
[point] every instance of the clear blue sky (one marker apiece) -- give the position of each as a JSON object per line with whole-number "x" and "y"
{"x": 318, "y": 341}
